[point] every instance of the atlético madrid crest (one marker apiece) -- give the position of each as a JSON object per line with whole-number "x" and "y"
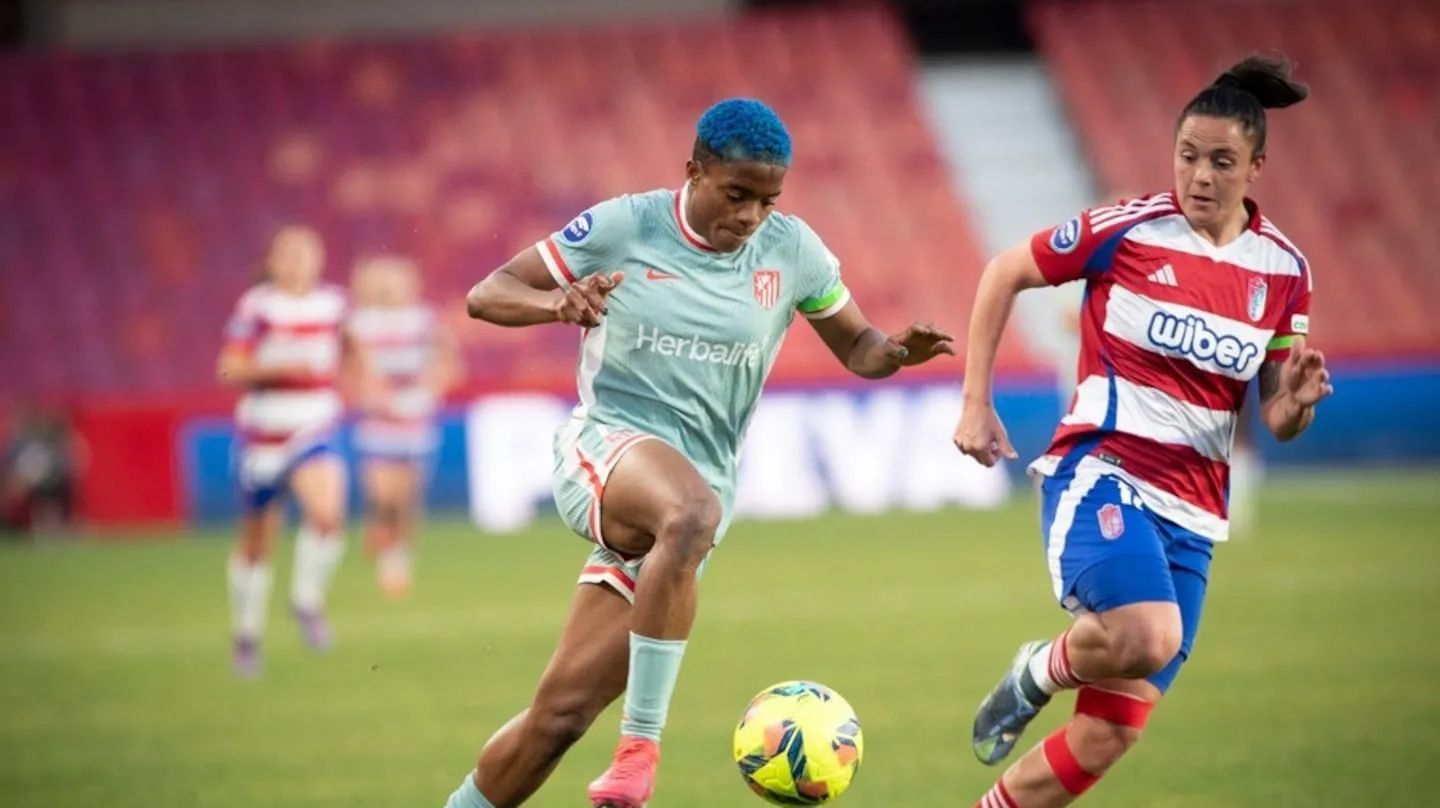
{"x": 767, "y": 287}
{"x": 1258, "y": 289}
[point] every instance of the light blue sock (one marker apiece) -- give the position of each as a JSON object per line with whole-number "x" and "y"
{"x": 654, "y": 667}
{"x": 468, "y": 796}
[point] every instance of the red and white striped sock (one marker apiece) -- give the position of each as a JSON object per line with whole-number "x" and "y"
{"x": 997, "y": 797}
{"x": 1051, "y": 669}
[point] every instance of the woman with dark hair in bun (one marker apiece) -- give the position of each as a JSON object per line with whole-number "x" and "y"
{"x": 1190, "y": 294}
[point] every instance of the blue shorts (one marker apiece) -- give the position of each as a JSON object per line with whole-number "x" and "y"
{"x": 264, "y": 481}
{"x": 1106, "y": 549}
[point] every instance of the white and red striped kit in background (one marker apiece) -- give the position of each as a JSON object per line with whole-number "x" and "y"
{"x": 399, "y": 345}
{"x": 281, "y": 421}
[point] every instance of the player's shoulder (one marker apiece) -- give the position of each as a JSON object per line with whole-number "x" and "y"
{"x": 1272, "y": 234}
{"x": 791, "y": 236}
{"x": 332, "y": 294}
{"x": 1105, "y": 219}
{"x": 257, "y": 294}
{"x": 263, "y": 300}
{"x": 617, "y": 216}
{"x": 658, "y": 201}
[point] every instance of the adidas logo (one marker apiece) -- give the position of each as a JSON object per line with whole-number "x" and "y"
{"x": 1165, "y": 276}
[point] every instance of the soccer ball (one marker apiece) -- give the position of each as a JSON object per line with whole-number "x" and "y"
{"x": 798, "y": 743}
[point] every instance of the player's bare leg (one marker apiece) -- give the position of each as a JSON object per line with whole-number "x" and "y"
{"x": 1107, "y": 656}
{"x": 1109, "y": 717}
{"x": 1129, "y": 642}
{"x": 657, "y": 505}
{"x": 586, "y": 673}
{"x": 392, "y": 489}
{"x": 319, "y": 488}
{"x": 249, "y": 573}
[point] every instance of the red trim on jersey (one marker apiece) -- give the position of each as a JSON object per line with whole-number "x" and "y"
{"x": 324, "y": 382}
{"x": 260, "y": 437}
{"x": 549, "y": 246}
{"x": 314, "y": 328}
{"x": 685, "y": 228}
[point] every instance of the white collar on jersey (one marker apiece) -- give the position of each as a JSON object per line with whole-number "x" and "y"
{"x": 684, "y": 225}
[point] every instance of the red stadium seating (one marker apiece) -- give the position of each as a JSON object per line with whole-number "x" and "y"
{"x": 137, "y": 190}
{"x": 1352, "y": 176}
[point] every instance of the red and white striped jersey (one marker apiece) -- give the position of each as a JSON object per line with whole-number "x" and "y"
{"x": 280, "y": 329}
{"x": 1173, "y": 328}
{"x": 399, "y": 344}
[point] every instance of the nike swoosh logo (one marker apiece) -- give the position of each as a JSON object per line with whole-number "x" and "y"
{"x": 657, "y": 275}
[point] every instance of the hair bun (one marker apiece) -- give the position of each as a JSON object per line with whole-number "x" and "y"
{"x": 1266, "y": 79}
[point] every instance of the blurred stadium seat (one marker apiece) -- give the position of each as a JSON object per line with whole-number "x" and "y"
{"x": 1352, "y": 175}
{"x": 139, "y": 188}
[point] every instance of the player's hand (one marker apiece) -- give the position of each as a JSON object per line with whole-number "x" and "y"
{"x": 1303, "y": 375}
{"x": 584, "y": 303}
{"x": 919, "y": 343}
{"x": 981, "y": 435}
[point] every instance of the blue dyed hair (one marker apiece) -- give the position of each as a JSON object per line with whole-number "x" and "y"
{"x": 741, "y": 130}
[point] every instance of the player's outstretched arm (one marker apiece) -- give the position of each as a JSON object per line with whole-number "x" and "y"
{"x": 868, "y": 353}
{"x": 523, "y": 292}
{"x": 980, "y": 433}
{"x": 1290, "y": 389}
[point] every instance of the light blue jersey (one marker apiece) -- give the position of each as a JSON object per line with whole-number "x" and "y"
{"x": 691, "y": 333}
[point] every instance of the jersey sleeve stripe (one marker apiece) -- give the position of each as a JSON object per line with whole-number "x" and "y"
{"x": 554, "y": 262}
{"x": 825, "y": 307}
{"x": 1099, "y": 224}
{"x": 1104, "y": 218}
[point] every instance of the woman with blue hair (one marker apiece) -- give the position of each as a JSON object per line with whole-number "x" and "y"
{"x": 684, "y": 297}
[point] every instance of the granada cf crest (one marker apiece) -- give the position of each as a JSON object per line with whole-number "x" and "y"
{"x": 767, "y": 287}
{"x": 1112, "y": 521}
{"x": 1258, "y": 290}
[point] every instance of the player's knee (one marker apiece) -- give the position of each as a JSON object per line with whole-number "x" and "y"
{"x": 1145, "y": 648}
{"x": 326, "y": 520}
{"x": 386, "y": 512}
{"x": 560, "y": 722}
{"x": 1098, "y": 743}
{"x": 688, "y": 529}
{"x": 253, "y": 549}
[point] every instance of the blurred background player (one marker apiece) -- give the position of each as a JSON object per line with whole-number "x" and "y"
{"x": 1191, "y": 293}
{"x": 283, "y": 348}
{"x": 685, "y": 297}
{"x": 413, "y": 361}
{"x": 39, "y": 468}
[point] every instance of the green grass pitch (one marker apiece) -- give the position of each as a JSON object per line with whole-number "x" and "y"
{"x": 1314, "y": 683}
